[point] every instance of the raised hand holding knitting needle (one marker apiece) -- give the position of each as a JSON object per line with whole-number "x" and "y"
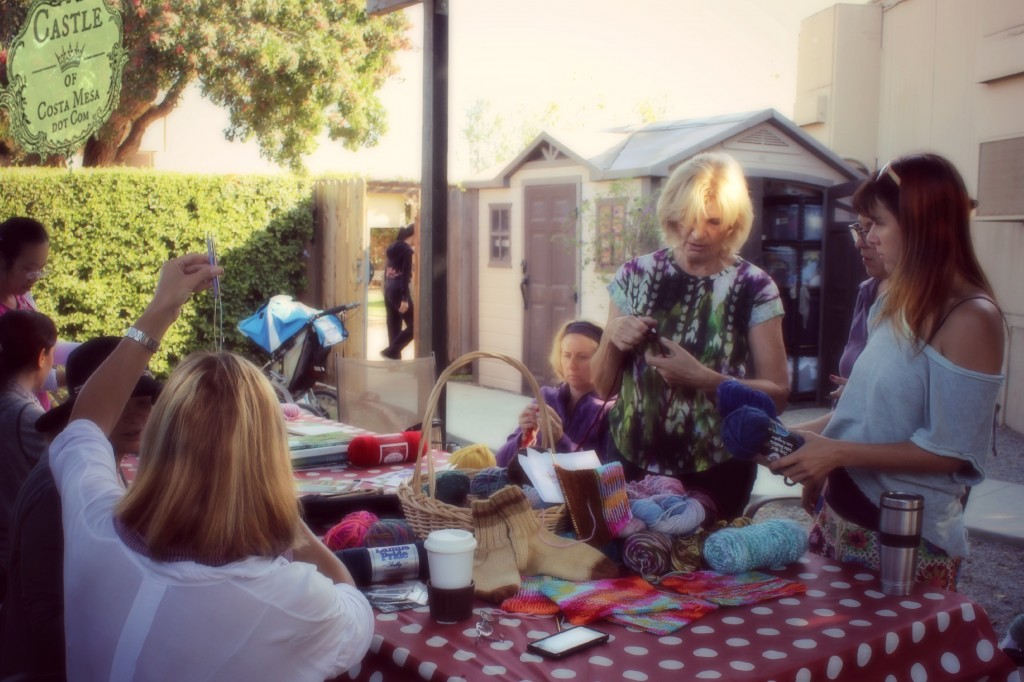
{"x": 529, "y": 422}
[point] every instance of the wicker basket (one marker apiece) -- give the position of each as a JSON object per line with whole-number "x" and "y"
{"x": 424, "y": 512}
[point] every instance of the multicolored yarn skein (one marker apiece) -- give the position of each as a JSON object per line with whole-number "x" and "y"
{"x": 773, "y": 543}
{"x": 648, "y": 553}
{"x": 669, "y": 514}
{"x": 388, "y": 533}
{"x": 688, "y": 551}
{"x": 350, "y": 531}
{"x": 651, "y": 485}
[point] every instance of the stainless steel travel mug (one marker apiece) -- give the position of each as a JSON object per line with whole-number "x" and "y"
{"x": 899, "y": 525}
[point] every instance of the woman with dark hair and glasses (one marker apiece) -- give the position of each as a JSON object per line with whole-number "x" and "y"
{"x": 579, "y": 416}
{"x": 869, "y": 290}
{"x": 916, "y": 415}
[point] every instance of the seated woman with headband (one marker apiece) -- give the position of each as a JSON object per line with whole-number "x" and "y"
{"x": 579, "y": 416}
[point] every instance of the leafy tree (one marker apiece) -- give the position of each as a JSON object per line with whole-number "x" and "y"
{"x": 284, "y": 69}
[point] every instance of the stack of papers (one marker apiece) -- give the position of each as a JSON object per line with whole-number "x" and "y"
{"x": 313, "y": 443}
{"x": 540, "y": 468}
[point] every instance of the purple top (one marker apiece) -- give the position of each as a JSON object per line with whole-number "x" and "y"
{"x": 585, "y": 429}
{"x": 866, "y": 295}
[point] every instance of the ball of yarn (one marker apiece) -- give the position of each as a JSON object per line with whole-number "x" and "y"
{"x": 350, "y": 531}
{"x": 732, "y": 395}
{"x": 669, "y": 514}
{"x": 634, "y": 525}
{"x": 647, "y": 553}
{"x": 476, "y": 456}
{"x": 451, "y": 487}
{"x": 744, "y": 432}
{"x": 652, "y": 484}
{"x": 705, "y": 499}
{"x": 687, "y": 553}
{"x": 388, "y": 533}
{"x": 535, "y": 500}
{"x": 488, "y": 481}
{"x": 761, "y": 545}
{"x": 291, "y": 411}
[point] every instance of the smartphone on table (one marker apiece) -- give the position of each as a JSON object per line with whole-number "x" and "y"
{"x": 567, "y": 642}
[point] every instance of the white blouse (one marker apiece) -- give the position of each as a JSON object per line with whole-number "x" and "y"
{"x": 128, "y": 617}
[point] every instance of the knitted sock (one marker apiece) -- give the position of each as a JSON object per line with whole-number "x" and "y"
{"x": 538, "y": 551}
{"x": 494, "y": 563}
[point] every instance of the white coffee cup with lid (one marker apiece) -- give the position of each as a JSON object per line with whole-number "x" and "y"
{"x": 450, "y": 556}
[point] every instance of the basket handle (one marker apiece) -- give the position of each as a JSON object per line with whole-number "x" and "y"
{"x": 435, "y": 396}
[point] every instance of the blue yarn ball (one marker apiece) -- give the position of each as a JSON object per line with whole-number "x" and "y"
{"x": 733, "y": 395}
{"x": 681, "y": 515}
{"x": 647, "y": 510}
{"x": 762, "y": 545}
{"x": 744, "y": 432}
{"x": 489, "y": 481}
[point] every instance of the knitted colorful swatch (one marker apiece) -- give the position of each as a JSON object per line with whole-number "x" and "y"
{"x": 611, "y": 481}
{"x": 627, "y": 601}
{"x": 529, "y": 599}
{"x": 742, "y": 589}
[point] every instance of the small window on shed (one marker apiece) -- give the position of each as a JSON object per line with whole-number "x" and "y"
{"x": 611, "y": 224}
{"x": 501, "y": 234}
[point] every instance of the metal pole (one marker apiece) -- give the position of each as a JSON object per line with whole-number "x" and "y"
{"x": 432, "y": 308}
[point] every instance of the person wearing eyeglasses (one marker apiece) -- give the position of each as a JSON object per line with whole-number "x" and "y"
{"x": 916, "y": 415}
{"x": 24, "y": 250}
{"x": 869, "y": 290}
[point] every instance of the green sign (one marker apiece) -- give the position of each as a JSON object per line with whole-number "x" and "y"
{"x": 64, "y": 74}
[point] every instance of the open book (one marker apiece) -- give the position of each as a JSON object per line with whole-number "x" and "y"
{"x": 540, "y": 468}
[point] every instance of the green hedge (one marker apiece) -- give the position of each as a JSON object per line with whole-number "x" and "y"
{"x": 111, "y": 229}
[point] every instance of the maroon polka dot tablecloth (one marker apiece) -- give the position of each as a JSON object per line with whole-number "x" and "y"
{"x": 842, "y": 628}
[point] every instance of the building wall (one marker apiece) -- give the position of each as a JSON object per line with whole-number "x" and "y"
{"x": 951, "y": 78}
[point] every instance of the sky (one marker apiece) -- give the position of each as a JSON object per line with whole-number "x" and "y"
{"x": 593, "y": 63}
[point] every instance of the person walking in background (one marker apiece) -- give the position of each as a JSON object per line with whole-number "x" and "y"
{"x": 578, "y": 415}
{"x": 916, "y": 415}
{"x": 683, "y": 320}
{"x": 397, "y": 293}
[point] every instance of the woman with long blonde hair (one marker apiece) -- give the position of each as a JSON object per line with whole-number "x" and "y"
{"x": 203, "y": 570}
{"x": 916, "y": 415}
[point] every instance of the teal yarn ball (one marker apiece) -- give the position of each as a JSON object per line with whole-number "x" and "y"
{"x": 489, "y": 481}
{"x": 451, "y": 487}
{"x": 762, "y": 545}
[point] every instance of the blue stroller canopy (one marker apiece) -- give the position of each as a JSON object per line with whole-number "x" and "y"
{"x": 281, "y": 318}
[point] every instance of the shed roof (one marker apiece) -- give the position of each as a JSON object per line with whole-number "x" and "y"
{"x": 654, "y": 149}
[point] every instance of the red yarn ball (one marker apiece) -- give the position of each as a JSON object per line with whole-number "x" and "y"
{"x": 350, "y": 531}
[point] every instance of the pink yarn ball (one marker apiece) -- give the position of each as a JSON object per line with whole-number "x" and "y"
{"x": 350, "y": 531}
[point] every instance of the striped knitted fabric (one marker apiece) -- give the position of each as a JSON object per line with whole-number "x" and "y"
{"x": 628, "y": 601}
{"x": 742, "y": 589}
{"x": 611, "y": 481}
{"x": 529, "y": 599}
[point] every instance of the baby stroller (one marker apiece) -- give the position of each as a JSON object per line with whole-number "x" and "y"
{"x": 298, "y": 339}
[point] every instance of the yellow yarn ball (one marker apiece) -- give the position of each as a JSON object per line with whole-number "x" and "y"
{"x": 476, "y": 456}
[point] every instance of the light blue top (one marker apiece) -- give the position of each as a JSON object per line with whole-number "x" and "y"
{"x": 899, "y": 393}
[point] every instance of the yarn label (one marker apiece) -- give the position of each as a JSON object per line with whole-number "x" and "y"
{"x": 388, "y": 564}
{"x": 394, "y": 453}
